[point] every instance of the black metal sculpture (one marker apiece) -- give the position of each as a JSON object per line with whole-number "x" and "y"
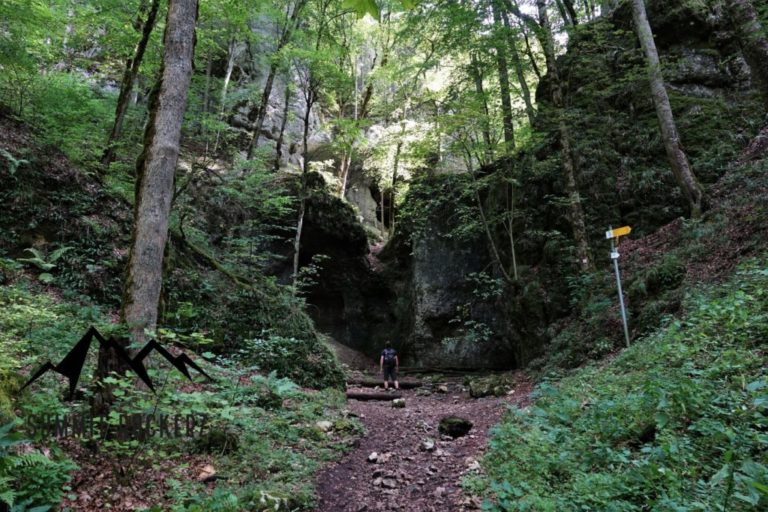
{"x": 72, "y": 365}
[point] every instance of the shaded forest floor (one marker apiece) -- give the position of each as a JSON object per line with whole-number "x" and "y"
{"x": 415, "y": 468}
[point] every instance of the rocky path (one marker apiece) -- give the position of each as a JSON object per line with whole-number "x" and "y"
{"x": 414, "y": 468}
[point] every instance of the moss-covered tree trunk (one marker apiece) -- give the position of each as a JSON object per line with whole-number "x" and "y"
{"x": 155, "y": 171}
{"x": 576, "y": 212}
{"x": 154, "y": 188}
{"x": 132, "y": 66}
{"x": 754, "y": 42}
{"x": 678, "y": 160}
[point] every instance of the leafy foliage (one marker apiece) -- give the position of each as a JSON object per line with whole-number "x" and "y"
{"x": 676, "y": 422}
{"x": 306, "y": 361}
{"x": 27, "y": 477}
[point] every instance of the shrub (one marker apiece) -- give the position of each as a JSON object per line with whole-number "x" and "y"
{"x": 306, "y": 361}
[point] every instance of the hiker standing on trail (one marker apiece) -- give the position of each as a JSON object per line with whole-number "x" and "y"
{"x": 389, "y": 363}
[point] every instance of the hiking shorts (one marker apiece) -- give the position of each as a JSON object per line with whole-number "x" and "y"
{"x": 390, "y": 373}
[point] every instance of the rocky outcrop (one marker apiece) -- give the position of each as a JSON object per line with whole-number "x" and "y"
{"x": 442, "y": 296}
{"x": 623, "y": 177}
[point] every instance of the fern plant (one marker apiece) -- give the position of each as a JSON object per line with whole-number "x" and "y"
{"x": 13, "y": 163}
{"x": 7, "y": 462}
{"x": 44, "y": 263}
{"x": 31, "y": 477}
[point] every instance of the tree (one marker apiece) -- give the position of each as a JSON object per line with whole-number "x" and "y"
{"x": 516, "y": 62}
{"x": 286, "y": 29}
{"x": 311, "y": 68}
{"x": 678, "y": 160}
{"x": 132, "y": 65}
{"x": 155, "y": 170}
{"x": 754, "y": 41}
{"x": 503, "y": 68}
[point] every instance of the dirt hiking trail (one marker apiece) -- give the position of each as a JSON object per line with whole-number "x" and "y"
{"x": 414, "y": 468}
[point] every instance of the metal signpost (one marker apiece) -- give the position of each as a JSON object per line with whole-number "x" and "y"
{"x": 613, "y": 235}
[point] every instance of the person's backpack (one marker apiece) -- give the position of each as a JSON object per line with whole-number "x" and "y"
{"x": 389, "y": 356}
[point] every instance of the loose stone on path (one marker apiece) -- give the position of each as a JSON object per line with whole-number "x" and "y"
{"x": 401, "y": 464}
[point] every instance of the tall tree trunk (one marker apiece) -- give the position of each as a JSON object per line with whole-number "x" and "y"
{"x": 232, "y": 54}
{"x": 487, "y": 228}
{"x": 485, "y": 122}
{"x": 576, "y": 214}
{"x": 396, "y": 164}
{"x": 754, "y": 42}
{"x": 511, "y": 227}
{"x": 515, "y": 56}
{"x": 132, "y": 66}
{"x": 290, "y": 25}
{"x": 262, "y": 112}
{"x": 310, "y": 100}
{"x": 687, "y": 181}
{"x": 531, "y": 56}
{"x": 563, "y": 14}
{"x": 501, "y": 62}
{"x": 155, "y": 170}
{"x": 283, "y": 122}
{"x": 570, "y": 15}
{"x": 346, "y": 163}
{"x": 206, "y": 95}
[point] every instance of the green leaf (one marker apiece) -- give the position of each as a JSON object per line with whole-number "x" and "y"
{"x": 761, "y": 488}
{"x": 661, "y": 419}
{"x": 363, "y": 7}
{"x": 46, "y": 278}
{"x": 58, "y": 253}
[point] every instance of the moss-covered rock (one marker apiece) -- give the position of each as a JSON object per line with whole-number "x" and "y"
{"x": 454, "y": 426}
{"x": 491, "y": 385}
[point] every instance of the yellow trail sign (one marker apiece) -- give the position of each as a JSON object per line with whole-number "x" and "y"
{"x": 616, "y": 233}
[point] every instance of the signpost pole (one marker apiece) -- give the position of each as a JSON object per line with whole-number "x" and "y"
{"x": 615, "y": 258}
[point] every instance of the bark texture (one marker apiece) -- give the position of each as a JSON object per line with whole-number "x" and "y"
{"x": 155, "y": 171}
{"x": 678, "y": 160}
{"x": 754, "y": 42}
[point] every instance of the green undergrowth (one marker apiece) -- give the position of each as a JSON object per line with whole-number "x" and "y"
{"x": 678, "y": 421}
{"x": 265, "y": 435}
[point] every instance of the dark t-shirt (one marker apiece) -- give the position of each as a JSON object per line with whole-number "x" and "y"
{"x": 389, "y": 355}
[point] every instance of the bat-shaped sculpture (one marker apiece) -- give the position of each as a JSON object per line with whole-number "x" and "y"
{"x": 72, "y": 365}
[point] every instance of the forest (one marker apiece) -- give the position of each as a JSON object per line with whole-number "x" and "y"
{"x": 367, "y": 255}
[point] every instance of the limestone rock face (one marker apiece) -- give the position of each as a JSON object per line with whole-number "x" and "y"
{"x": 439, "y": 289}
